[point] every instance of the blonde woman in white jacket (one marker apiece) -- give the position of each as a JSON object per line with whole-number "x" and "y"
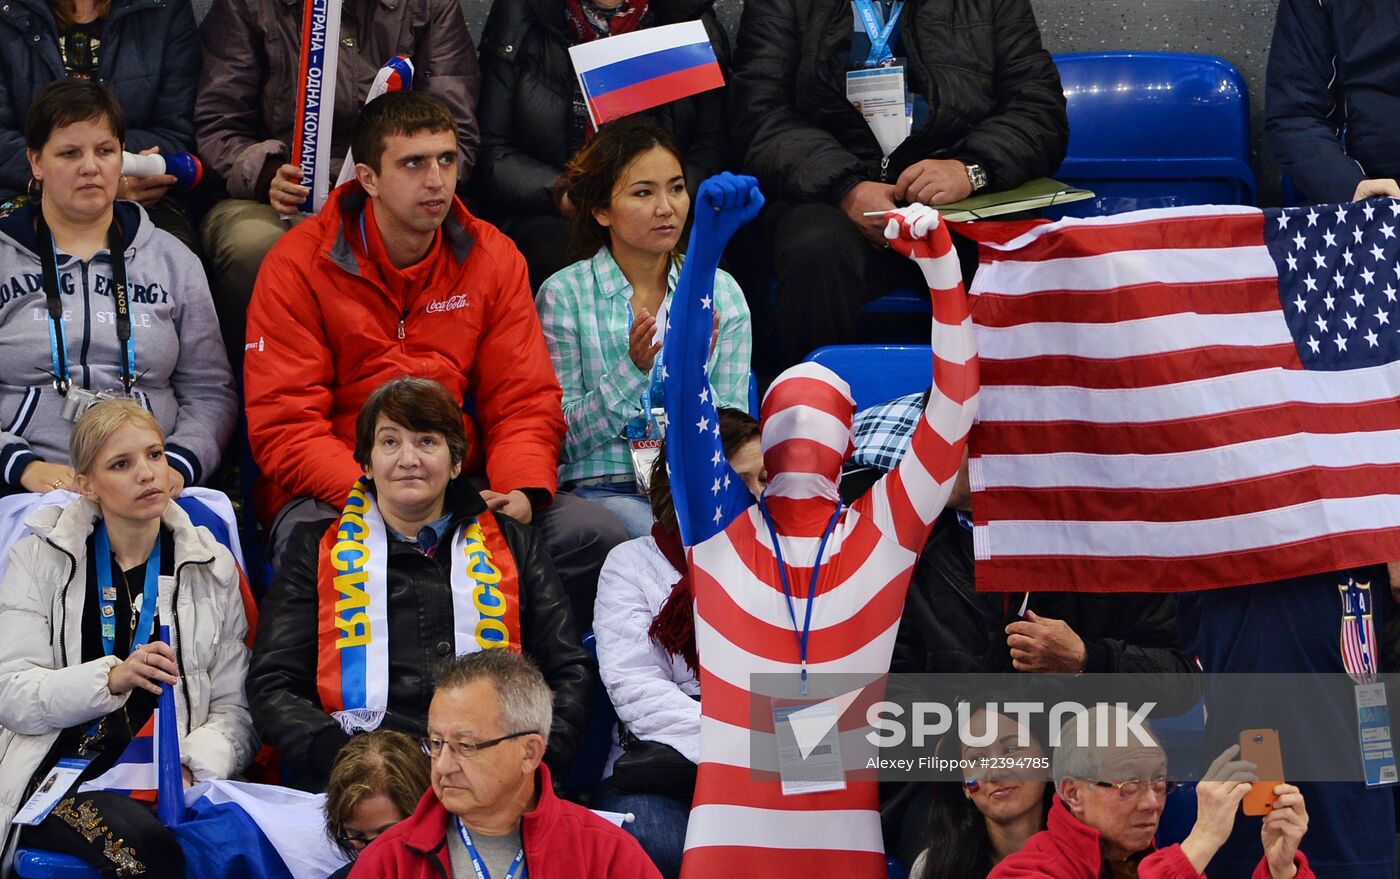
{"x": 80, "y": 663}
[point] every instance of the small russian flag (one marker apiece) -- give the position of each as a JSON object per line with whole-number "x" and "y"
{"x": 632, "y": 72}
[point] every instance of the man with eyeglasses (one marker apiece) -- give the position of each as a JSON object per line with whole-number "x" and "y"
{"x": 1110, "y": 798}
{"x": 491, "y": 812}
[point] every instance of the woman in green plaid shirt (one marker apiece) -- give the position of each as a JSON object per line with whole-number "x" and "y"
{"x": 605, "y": 315}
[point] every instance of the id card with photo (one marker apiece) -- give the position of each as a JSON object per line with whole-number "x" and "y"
{"x": 879, "y": 94}
{"x": 1377, "y": 746}
{"x": 53, "y": 788}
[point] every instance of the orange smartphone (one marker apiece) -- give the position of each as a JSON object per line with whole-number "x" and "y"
{"x": 1260, "y": 747}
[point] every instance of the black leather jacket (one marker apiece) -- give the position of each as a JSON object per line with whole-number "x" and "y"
{"x": 282, "y": 677}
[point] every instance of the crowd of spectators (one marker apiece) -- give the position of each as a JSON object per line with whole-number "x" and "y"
{"x": 450, "y": 382}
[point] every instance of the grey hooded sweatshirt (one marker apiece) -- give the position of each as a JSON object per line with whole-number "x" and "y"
{"x": 182, "y": 370}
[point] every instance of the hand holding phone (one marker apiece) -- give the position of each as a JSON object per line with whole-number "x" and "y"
{"x": 1261, "y": 747}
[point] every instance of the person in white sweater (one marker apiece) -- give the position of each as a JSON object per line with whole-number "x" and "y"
{"x": 643, "y": 619}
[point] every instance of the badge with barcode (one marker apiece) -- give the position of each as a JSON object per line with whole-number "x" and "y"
{"x": 1373, "y": 724}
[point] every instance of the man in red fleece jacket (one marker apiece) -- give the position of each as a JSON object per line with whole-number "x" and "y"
{"x": 1103, "y": 821}
{"x": 492, "y": 810}
{"x": 395, "y": 277}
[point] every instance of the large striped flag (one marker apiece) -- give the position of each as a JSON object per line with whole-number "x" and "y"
{"x": 1187, "y": 398}
{"x": 632, "y": 72}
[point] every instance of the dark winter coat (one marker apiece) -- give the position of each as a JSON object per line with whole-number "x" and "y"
{"x": 526, "y": 98}
{"x": 149, "y": 58}
{"x": 993, "y": 94}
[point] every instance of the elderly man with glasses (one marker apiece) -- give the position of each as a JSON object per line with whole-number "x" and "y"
{"x": 1110, "y": 798}
{"x": 492, "y": 811}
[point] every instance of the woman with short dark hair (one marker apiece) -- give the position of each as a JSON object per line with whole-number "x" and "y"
{"x": 68, "y": 259}
{"x": 416, "y": 569}
{"x": 146, "y": 53}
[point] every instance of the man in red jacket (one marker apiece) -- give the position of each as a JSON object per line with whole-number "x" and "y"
{"x": 394, "y": 277}
{"x": 491, "y": 810}
{"x": 1111, "y": 797}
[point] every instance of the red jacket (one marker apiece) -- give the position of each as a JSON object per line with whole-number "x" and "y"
{"x": 562, "y": 840}
{"x": 327, "y": 326}
{"x": 1070, "y": 849}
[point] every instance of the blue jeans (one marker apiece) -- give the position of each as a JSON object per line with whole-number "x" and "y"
{"x": 660, "y": 825}
{"x": 621, "y": 497}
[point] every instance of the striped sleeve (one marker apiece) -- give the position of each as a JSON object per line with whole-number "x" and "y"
{"x": 905, "y": 503}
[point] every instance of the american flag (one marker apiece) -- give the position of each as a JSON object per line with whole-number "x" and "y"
{"x": 1187, "y": 398}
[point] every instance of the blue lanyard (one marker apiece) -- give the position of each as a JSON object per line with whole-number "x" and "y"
{"x": 107, "y": 594}
{"x": 880, "y": 33}
{"x": 806, "y": 630}
{"x": 636, "y": 429}
{"x": 58, "y": 340}
{"x": 517, "y": 866}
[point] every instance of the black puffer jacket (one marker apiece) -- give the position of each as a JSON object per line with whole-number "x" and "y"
{"x": 949, "y": 628}
{"x": 527, "y": 91}
{"x": 282, "y": 677}
{"x": 150, "y": 59}
{"x": 993, "y": 94}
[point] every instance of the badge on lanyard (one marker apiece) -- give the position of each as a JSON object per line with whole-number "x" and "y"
{"x": 1360, "y": 657}
{"x": 53, "y": 788}
{"x": 809, "y": 748}
{"x": 878, "y": 90}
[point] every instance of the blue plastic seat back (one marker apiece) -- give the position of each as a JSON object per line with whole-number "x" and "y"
{"x": 586, "y": 771}
{"x": 877, "y": 373}
{"x": 36, "y": 864}
{"x": 1155, "y": 129}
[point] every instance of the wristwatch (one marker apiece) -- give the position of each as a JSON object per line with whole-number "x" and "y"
{"x": 976, "y": 176}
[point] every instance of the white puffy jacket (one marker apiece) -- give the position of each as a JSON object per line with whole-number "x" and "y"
{"x": 44, "y": 689}
{"x": 650, "y": 688}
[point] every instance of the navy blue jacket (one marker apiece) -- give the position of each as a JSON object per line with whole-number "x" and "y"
{"x": 149, "y": 57}
{"x": 1332, "y": 99}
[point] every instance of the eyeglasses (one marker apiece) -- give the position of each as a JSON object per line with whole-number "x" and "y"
{"x": 352, "y": 842}
{"x": 1134, "y": 787}
{"x": 466, "y": 750}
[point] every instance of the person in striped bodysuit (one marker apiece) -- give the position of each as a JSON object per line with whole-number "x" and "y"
{"x": 741, "y": 823}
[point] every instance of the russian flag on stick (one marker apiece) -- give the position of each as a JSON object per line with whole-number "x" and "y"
{"x": 149, "y": 767}
{"x": 395, "y": 76}
{"x": 260, "y": 831}
{"x": 633, "y": 72}
{"x": 315, "y": 107}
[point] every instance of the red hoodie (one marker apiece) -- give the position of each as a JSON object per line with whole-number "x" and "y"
{"x": 1070, "y": 849}
{"x": 331, "y": 320}
{"x": 562, "y": 840}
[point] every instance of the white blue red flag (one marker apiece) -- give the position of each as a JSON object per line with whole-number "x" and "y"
{"x": 315, "y": 106}
{"x": 632, "y": 72}
{"x": 1187, "y": 398}
{"x": 395, "y": 76}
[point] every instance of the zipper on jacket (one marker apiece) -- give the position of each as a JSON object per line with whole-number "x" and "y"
{"x": 884, "y": 168}
{"x": 87, "y": 326}
{"x": 63, "y": 604}
{"x": 179, "y": 642}
{"x": 402, "y": 319}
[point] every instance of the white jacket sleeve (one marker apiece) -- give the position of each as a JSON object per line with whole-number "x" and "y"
{"x": 637, "y": 672}
{"x": 35, "y": 697}
{"x": 226, "y": 742}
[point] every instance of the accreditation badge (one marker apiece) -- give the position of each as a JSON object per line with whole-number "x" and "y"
{"x": 809, "y": 748}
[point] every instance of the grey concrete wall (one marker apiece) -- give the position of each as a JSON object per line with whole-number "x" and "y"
{"x": 1238, "y": 32}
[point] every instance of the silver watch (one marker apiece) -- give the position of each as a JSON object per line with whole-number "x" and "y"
{"x": 976, "y": 176}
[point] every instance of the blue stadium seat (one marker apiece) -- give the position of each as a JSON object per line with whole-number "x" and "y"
{"x": 1155, "y": 129}
{"x": 877, "y": 373}
{"x": 586, "y": 772}
{"x": 35, "y": 864}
